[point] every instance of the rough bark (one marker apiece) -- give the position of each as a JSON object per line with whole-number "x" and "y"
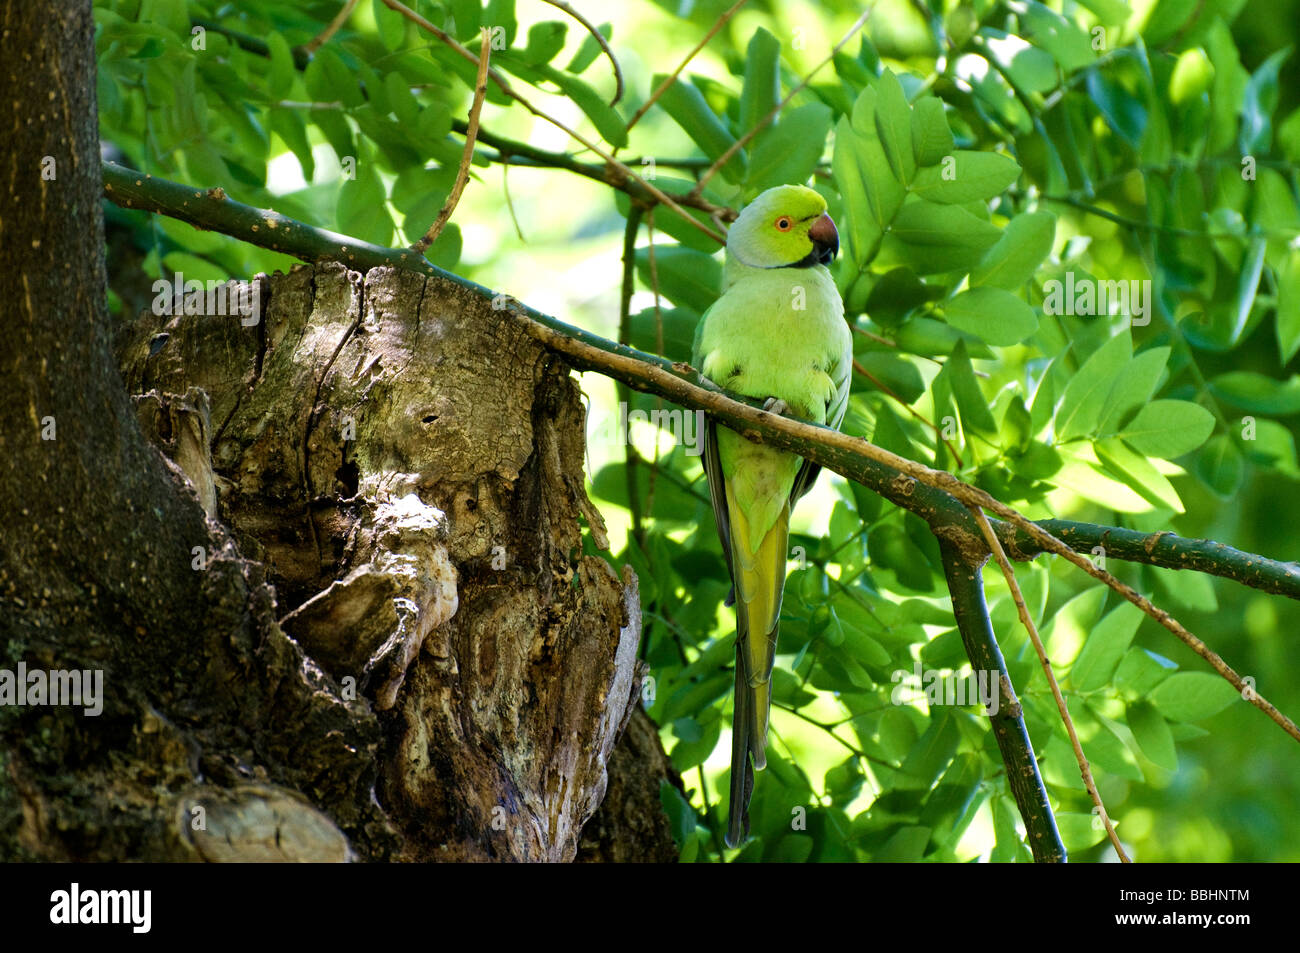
{"x": 408, "y": 466}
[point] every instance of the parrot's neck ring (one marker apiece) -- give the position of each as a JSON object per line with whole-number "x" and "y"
{"x": 814, "y": 257}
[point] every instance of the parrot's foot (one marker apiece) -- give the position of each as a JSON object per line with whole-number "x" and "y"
{"x": 775, "y": 405}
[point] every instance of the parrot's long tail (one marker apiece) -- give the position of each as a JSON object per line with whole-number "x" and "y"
{"x": 759, "y": 575}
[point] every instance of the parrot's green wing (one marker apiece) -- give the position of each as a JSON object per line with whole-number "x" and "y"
{"x": 842, "y": 375}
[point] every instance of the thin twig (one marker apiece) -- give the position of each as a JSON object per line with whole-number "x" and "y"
{"x": 600, "y": 39}
{"x": 1085, "y": 770}
{"x": 510, "y": 205}
{"x": 740, "y": 143}
{"x": 467, "y": 157}
{"x": 340, "y": 18}
{"x": 654, "y": 97}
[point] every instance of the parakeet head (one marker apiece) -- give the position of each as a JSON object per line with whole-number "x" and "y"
{"x": 785, "y": 227}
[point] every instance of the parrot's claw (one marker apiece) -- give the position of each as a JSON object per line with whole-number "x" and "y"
{"x": 775, "y": 405}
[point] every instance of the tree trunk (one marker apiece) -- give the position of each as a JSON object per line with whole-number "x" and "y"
{"x": 352, "y": 616}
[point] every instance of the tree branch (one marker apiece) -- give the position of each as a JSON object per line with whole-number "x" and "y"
{"x": 1085, "y": 770}
{"x": 971, "y": 612}
{"x": 471, "y": 134}
{"x": 1167, "y": 550}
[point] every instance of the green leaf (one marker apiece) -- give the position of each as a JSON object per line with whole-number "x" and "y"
{"x": 681, "y": 816}
{"x": 689, "y": 109}
{"x": 960, "y": 376}
{"x": 1134, "y": 387}
{"x": 1138, "y": 473}
{"x": 933, "y": 750}
{"x": 1169, "y": 428}
{"x": 1273, "y": 446}
{"x": 762, "y": 88}
{"x": 1257, "y": 393}
{"x": 844, "y": 781}
{"x": 949, "y": 801}
{"x": 891, "y": 548}
{"x": 288, "y": 125}
{"x": 1142, "y": 670}
{"x": 884, "y": 190}
{"x": 931, "y": 137}
{"x": 893, "y": 120}
{"x": 1029, "y": 68}
{"x": 1152, "y": 733}
{"x": 1062, "y": 38}
{"x": 545, "y": 40}
{"x": 929, "y": 337}
{"x": 853, "y": 182}
{"x": 906, "y": 846}
{"x": 608, "y": 123}
{"x": 791, "y": 153}
{"x": 1009, "y": 844}
{"x": 1288, "y": 305}
{"x": 1191, "y": 589}
{"x": 589, "y": 51}
{"x": 1247, "y": 285}
{"x": 1025, "y": 242}
{"x": 400, "y": 99}
{"x": 329, "y": 80}
{"x": 1102, "y": 745}
{"x": 279, "y": 81}
{"x": 390, "y": 25}
{"x": 1122, "y": 110}
{"x": 966, "y": 177}
{"x": 896, "y": 294}
{"x": 1191, "y": 696}
{"x": 897, "y": 373}
{"x": 997, "y": 316}
{"x": 858, "y": 643}
{"x": 896, "y": 733}
{"x": 1191, "y": 77}
{"x": 1220, "y": 465}
{"x": 1106, "y": 644}
{"x": 1078, "y": 832}
{"x": 1085, "y": 395}
{"x": 1259, "y": 104}
{"x": 1109, "y": 12}
{"x": 501, "y": 14}
{"x": 361, "y": 209}
{"x": 696, "y": 744}
{"x": 688, "y": 278}
{"x": 940, "y": 238}
{"x": 1168, "y": 18}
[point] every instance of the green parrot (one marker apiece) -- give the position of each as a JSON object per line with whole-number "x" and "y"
{"x": 778, "y": 332}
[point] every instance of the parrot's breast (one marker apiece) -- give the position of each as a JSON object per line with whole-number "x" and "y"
{"x": 778, "y": 333}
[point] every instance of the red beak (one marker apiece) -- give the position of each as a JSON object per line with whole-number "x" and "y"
{"x": 826, "y": 240}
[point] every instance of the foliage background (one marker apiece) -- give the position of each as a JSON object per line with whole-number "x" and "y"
{"x": 1122, "y": 161}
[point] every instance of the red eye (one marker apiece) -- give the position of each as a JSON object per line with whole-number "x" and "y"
{"x": 783, "y": 224}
